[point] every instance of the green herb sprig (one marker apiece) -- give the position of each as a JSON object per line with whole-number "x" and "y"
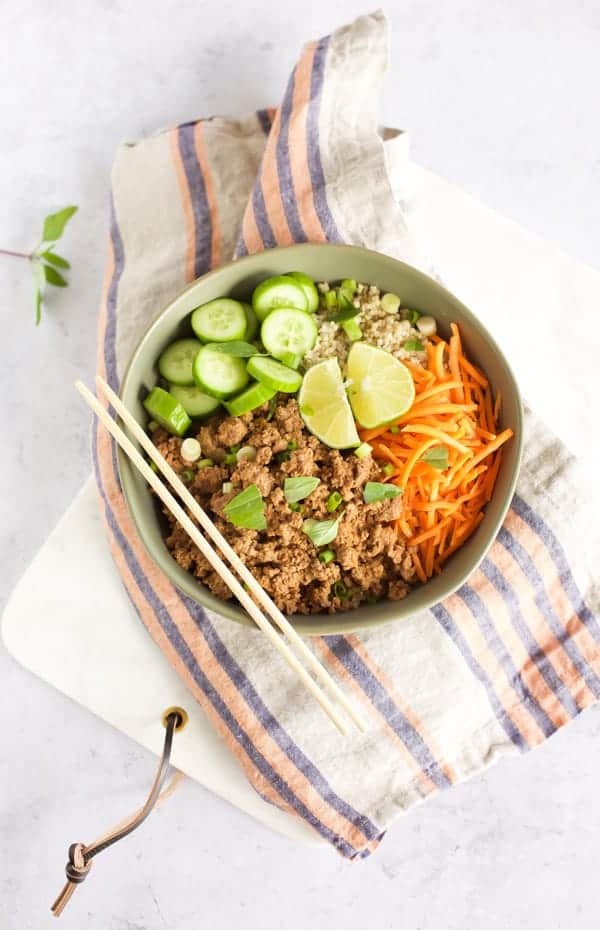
{"x": 321, "y": 532}
{"x": 297, "y": 489}
{"x": 376, "y": 491}
{"x": 437, "y": 457}
{"x": 247, "y": 509}
{"x": 44, "y": 260}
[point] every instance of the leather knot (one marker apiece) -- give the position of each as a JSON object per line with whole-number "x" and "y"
{"x": 77, "y": 868}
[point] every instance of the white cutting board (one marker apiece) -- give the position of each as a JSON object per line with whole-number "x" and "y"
{"x": 94, "y": 649}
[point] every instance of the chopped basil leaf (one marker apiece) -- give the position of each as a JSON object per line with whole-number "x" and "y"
{"x": 347, "y": 310}
{"x": 296, "y": 489}
{"x": 437, "y": 457}
{"x": 236, "y": 347}
{"x": 321, "y": 532}
{"x": 247, "y": 509}
{"x": 413, "y": 316}
{"x": 376, "y": 491}
{"x": 413, "y": 345}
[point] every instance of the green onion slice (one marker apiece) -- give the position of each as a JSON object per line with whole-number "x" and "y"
{"x": 333, "y": 501}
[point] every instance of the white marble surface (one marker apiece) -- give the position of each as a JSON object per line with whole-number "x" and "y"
{"x": 499, "y": 99}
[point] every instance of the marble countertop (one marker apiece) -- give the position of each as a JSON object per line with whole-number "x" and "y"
{"x": 482, "y": 89}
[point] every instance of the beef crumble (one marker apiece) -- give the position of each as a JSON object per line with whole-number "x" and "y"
{"x": 371, "y": 561}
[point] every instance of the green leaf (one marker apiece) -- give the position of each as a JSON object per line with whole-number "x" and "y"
{"x": 55, "y": 223}
{"x": 321, "y": 532}
{"x": 38, "y": 305}
{"x": 247, "y": 509}
{"x": 296, "y": 489}
{"x": 57, "y": 260}
{"x": 437, "y": 457}
{"x": 413, "y": 345}
{"x": 236, "y": 347}
{"x": 346, "y": 312}
{"x": 54, "y": 277}
{"x": 376, "y": 491}
{"x": 413, "y": 316}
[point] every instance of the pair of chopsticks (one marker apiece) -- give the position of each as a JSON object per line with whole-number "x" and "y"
{"x": 234, "y": 584}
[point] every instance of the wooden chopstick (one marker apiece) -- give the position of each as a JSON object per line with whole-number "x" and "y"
{"x": 230, "y": 554}
{"x": 209, "y": 553}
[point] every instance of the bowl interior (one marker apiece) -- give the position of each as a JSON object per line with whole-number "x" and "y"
{"x": 327, "y": 263}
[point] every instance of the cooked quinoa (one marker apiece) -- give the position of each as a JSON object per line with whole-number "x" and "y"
{"x": 389, "y": 331}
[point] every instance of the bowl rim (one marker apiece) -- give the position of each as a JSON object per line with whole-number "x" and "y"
{"x": 354, "y": 620}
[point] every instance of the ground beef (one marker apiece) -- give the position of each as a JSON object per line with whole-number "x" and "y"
{"x": 371, "y": 560}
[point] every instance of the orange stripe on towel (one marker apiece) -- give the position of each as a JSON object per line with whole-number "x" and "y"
{"x": 269, "y": 182}
{"x": 531, "y": 675}
{"x": 298, "y": 147}
{"x": 408, "y": 712}
{"x": 202, "y": 156}
{"x": 522, "y": 719}
{"x": 539, "y": 627}
{"x": 426, "y": 784}
{"x": 186, "y": 204}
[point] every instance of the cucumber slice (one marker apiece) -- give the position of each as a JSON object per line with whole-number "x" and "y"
{"x": 251, "y": 322}
{"x": 221, "y": 320}
{"x": 275, "y": 375}
{"x": 175, "y": 364}
{"x": 288, "y": 335}
{"x": 254, "y": 396}
{"x": 280, "y": 291}
{"x": 166, "y": 410}
{"x": 309, "y": 287}
{"x": 218, "y": 374}
{"x": 196, "y": 404}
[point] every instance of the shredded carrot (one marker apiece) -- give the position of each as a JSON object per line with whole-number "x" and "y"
{"x": 438, "y": 361}
{"x": 454, "y": 408}
{"x": 476, "y": 375}
{"x": 454, "y": 353}
{"x": 497, "y": 406}
{"x": 437, "y": 433}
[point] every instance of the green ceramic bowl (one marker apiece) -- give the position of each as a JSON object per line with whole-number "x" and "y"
{"x": 327, "y": 263}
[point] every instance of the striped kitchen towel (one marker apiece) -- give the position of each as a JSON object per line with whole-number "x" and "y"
{"x": 500, "y": 665}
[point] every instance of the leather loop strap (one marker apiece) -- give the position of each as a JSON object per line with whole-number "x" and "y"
{"x": 80, "y": 856}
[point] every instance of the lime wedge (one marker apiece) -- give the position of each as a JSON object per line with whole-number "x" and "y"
{"x": 324, "y": 406}
{"x": 381, "y": 387}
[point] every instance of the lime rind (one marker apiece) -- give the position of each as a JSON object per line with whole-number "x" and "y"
{"x": 381, "y": 387}
{"x": 324, "y": 406}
